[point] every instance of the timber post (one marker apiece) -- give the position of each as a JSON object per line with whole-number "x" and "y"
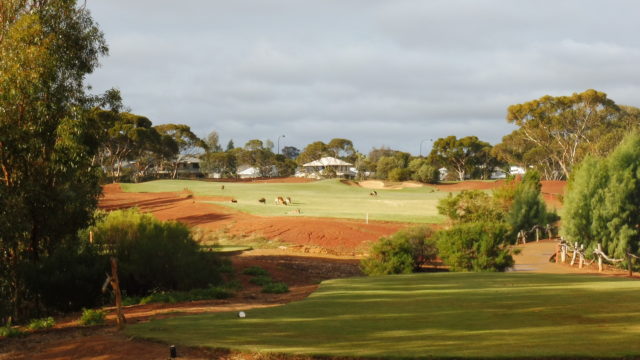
{"x": 581, "y": 253}
{"x": 115, "y": 285}
{"x": 575, "y": 252}
{"x": 537, "y": 234}
{"x": 629, "y": 259}
{"x": 599, "y": 257}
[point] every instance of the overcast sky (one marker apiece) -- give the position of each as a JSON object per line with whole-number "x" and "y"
{"x": 389, "y": 73}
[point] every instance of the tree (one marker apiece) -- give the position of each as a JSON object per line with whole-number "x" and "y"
{"x": 528, "y": 208}
{"x": 230, "y": 145}
{"x": 342, "y": 149}
{"x": 422, "y": 171}
{"x": 470, "y": 206}
{"x": 566, "y": 127}
{"x": 459, "y": 155}
{"x": 189, "y": 144}
{"x": 290, "y": 152}
{"x": 48, "y": 187}
{"x": 312, "y": 152}
{"x": 602, "y": 203}
{"x": 213, "y": 142}
{"x": 223, "y": 163}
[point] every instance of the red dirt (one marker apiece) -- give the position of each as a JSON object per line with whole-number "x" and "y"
{"x": 334, "y": 236}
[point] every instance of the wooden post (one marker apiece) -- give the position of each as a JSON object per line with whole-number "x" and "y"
{"x": 563, "y": 253}
{"x": 90, "y": 237}
{"x": 523, "y": 236}
{"x": 599, "y": 257}
{"x": 537, "y": 234}
{"x": 115, "y": 285}
{"x": 629, "y": 259}
{"x": 367, "y": 218}
{"x": 548, "y": 228}
{"x": 558, "y": 253}
{"x": 581, "y": 253}
{"x": 575, "y": 252}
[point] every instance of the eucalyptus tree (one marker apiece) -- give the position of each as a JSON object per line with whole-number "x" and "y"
{"x": 48, "y": 186}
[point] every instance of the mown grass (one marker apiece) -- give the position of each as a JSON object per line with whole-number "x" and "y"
{"x": 327, "y": 198}
{"x": 488, "y": 315}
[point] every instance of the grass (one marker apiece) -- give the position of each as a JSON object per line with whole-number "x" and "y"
{"x": 327, "y": 198}
{"x": 456, "y": 315}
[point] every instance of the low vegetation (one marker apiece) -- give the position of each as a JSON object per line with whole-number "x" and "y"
{"x": 440, "y": 315}
{"x": 401, "y": 253}
{"x": 261, "y": 277}
{"x": 92, "y": 317}
{"x": 43, "y": 323}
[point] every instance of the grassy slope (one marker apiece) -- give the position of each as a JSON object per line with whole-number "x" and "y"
{"x": 328, "y": 198}
{"x": 440, "y": 315}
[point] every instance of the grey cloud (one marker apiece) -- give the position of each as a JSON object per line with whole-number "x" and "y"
{"x": 377, "y": 72}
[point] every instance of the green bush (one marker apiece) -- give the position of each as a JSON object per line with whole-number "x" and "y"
{"x": 171, "y": 297}
{"x": 479, "y": 246}
{"x": 528, "y": 208}
{"x": 44, "y": 323}
{"x": 275, "y": 288}
{"x": 255, "y": 271}
{"x": 602, "y": 203}
{"x": 153, "y": 254}
{"x": 92, "y": 317}
{"x": 74, "y": 272}
{"x": 9, "y": 331}
{"x": 261, "y": 280}
{"x": 401, "y": 253}
{"x": 399, "y": 174}
{"x": 470, "y": 206}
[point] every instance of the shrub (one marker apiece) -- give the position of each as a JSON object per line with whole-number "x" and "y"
{"x": 261, "y": 280}
{"x": 44, "y": 323}
{"x": 401, "y": 253}
{"x": 470, "y": 206}
{"x": 275, "y": 288}
{"x": 92, "y": 317}
{"x": 171, "y": 297}
{"x": 255, "y": 271}
{"x": 153, "y": 254}
{"x": 73, "y": 274}
{"x": 479, "y": 246}
{"x": 528, "y": 209}
{"x": 399, "y": 174}
{"x": 9, "y": 331}
{"x": 602, "y": 203}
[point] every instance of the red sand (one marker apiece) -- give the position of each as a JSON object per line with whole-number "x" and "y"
{"x": 334, "y": 235}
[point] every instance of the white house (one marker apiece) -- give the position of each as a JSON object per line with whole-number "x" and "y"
{"x": 319, "y": 167}
{"x": 250, "y": 172}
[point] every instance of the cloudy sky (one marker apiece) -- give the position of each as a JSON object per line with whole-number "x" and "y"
{"x": 389, "y": 73}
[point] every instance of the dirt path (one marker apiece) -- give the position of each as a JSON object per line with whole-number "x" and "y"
{"x": 534, "y": 257}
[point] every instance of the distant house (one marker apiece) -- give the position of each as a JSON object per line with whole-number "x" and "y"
{"x": 250, "y": 172}
{"x": 189, "y": 165}
{"x": 328, "y": 165}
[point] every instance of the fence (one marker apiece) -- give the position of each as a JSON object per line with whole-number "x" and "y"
{"x": 578, "y": 254}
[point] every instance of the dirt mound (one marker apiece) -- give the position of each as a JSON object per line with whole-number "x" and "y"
{"x": 336, "y": 236}
{"x": 384, "y": 185}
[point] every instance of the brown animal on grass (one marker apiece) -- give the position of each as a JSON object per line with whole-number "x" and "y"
{"x": 222, "y": 187}
{"x": 289, "y": 201}
{"x": 373, "y": 193}
{"x": 234, "y": 200}
{"x": 280, "y": 200}
{"x": 263, "y": 200}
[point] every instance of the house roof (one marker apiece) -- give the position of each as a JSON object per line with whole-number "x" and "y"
{"x": 328, "y": 161}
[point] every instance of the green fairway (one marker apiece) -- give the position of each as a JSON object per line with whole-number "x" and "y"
{"x": 327, "y": 198}
{"x": 432, "y": 315}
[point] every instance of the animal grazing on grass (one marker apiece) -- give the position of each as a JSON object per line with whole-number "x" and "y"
{"x": 373, "y": 193}
{"x": 234, "y": 200}
{"x": 280, "y": 200}
{"x": 289, "y": 201}
{"x": 263, "y": 200}
{"x": 222, "y": 187}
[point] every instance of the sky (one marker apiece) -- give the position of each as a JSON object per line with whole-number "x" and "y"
{"x": 380, "y": 73}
